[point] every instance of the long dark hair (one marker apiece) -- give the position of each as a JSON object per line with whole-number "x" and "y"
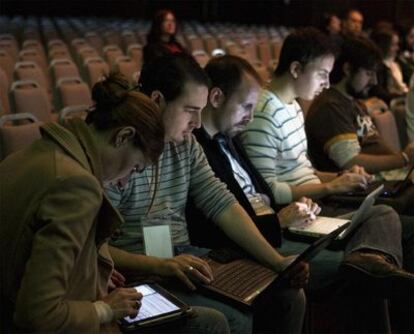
{"x": 154, "y": 35}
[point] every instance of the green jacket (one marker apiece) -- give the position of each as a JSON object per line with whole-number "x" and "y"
{"x": 54, "y": 223}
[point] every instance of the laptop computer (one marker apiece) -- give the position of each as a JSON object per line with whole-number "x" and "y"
{"x": 391, "y": 188}
{"x": 158, "y": 306}
{"x": 324, "y": 225}
{"x": 241, "y": 281}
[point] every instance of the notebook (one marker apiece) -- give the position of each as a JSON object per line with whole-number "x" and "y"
{"x": 158, "y": 306}
{"x": 325, "y": 225}
{"x": 391, "y": 188}
{"x": 241, "y": 281}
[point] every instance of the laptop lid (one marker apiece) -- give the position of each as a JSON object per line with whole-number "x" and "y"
{"x": 359, "y": 215}
{"x": 157, "y": 307}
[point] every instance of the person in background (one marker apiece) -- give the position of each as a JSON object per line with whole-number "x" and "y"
{"x": 275, "y": 140}
{"x": 390, "y": 78}
{"x": 406, "y": 57}
{"x": 331, "y": 24}
{"x": 161, "y": 39}
{"x": 350, "y": 136}
{"x": 232, "y": 98}
{"x": 180, "y": 87}
{"x": 55, "y": 263}
{"x": 352, "y": 22}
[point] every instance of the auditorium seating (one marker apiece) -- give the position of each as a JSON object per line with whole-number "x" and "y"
{"x": 15, "y": 136}
{"x": 27, "y": 96}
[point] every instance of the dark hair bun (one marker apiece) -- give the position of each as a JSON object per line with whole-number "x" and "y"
{"x": 110, "y": 92}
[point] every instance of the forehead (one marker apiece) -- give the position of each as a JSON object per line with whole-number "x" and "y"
{"x": 322, "y": 63}
{"x": 355, "y": 16}
{"x": 247, "y": 86}
{"x": 192, "y": 94}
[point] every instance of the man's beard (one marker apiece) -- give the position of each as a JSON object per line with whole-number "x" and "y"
{"x": 357, "y": 95}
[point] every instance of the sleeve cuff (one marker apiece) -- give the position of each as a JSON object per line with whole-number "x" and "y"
{"x": 104, "y": 312}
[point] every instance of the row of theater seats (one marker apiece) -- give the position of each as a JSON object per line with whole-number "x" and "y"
{"x": 48, "y": 66}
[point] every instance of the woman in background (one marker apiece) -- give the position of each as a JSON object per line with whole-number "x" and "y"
{"x": 161, "y": 39}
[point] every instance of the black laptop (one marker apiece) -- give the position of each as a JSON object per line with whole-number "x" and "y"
{"x": 391, "y": 188}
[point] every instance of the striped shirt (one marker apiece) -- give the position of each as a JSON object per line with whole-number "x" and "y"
{"x": 275, "y": 141}
{"x": 183, "y": 171}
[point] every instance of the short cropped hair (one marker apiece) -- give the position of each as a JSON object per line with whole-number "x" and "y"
{"x": 226, "y": 73}
{"x": 304, "y": 45}
{"x": 169, "y": 74}
{"x": 359, "y": 52}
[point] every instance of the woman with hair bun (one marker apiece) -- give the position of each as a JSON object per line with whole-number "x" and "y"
{"x": 56, "y": 219}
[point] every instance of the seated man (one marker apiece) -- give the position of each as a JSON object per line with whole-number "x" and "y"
{"x": 232, "y": 98}
{"x": 349, "y": 135}
{"x": 158, "y": 194}
{"x": 275, "y": 140}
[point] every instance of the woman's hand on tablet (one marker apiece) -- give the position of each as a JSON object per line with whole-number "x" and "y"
{"x": 124, "y": 302}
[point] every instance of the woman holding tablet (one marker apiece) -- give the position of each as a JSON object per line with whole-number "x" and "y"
{"x": 56, "y": 219}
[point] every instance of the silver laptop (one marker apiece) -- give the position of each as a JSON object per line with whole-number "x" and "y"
{"x": 324, "y": 225}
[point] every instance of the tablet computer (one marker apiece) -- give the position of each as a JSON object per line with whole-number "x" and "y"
{"x": 157, "y": 307}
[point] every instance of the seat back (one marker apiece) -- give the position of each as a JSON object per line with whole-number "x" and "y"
{"x": 94, "y": 40}
{"x": 112, "y": 52}
{"x": 60, "y": 68}
{"x": 7, "y": 64}
{"x": 29, "y": 70}
{"x": 16, "y": 137}
{"x": 10, "y": 47}
{"x": 80, "y": 111}
{"x": 135, "y": 52}
{"x": 127, "y": 67}
{"x": 4, "y": 93}
{"x": 35, "y": 56}
{"x": 96, "y": 68}
{"x": 27, "y": 96}
{"x": 72, "y": 92}
{"x": 201, "y": 57}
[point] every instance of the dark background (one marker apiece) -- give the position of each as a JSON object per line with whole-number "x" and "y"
{"x": 287, "y": 12}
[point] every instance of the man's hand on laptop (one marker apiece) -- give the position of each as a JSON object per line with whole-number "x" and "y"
{"x": 301, "y": 213}
{"x": 298, "y": 276}
{"x": 356, "y": 169}
{"x": 347, "y": 182}
{"x": 186, "y": 268}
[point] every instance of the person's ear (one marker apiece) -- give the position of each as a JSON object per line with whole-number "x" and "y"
{"x": 295, "y": 68}
{"x": 124, "y": 135}
{"x": 216, "y": 97}
{"x": 158, "y": 98}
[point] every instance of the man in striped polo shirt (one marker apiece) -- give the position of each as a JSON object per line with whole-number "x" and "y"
{"x": 276, "y": 141}
{"x": 159, "y": 194}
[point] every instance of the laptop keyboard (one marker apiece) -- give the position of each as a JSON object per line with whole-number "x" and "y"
{"x": 242, "y": 278}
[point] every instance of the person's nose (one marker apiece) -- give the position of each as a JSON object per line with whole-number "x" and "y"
{"x": 196, "y": 120}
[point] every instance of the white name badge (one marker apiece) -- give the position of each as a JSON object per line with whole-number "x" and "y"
{"x": 157, "y": 241}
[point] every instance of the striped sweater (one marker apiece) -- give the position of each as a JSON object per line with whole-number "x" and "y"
{"x": 275, "y": 141}
{"x": 183, "y": 171}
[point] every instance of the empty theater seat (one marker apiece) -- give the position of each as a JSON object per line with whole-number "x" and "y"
{"x": 27, "y": 96}
{"x": 16, "y": 137}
